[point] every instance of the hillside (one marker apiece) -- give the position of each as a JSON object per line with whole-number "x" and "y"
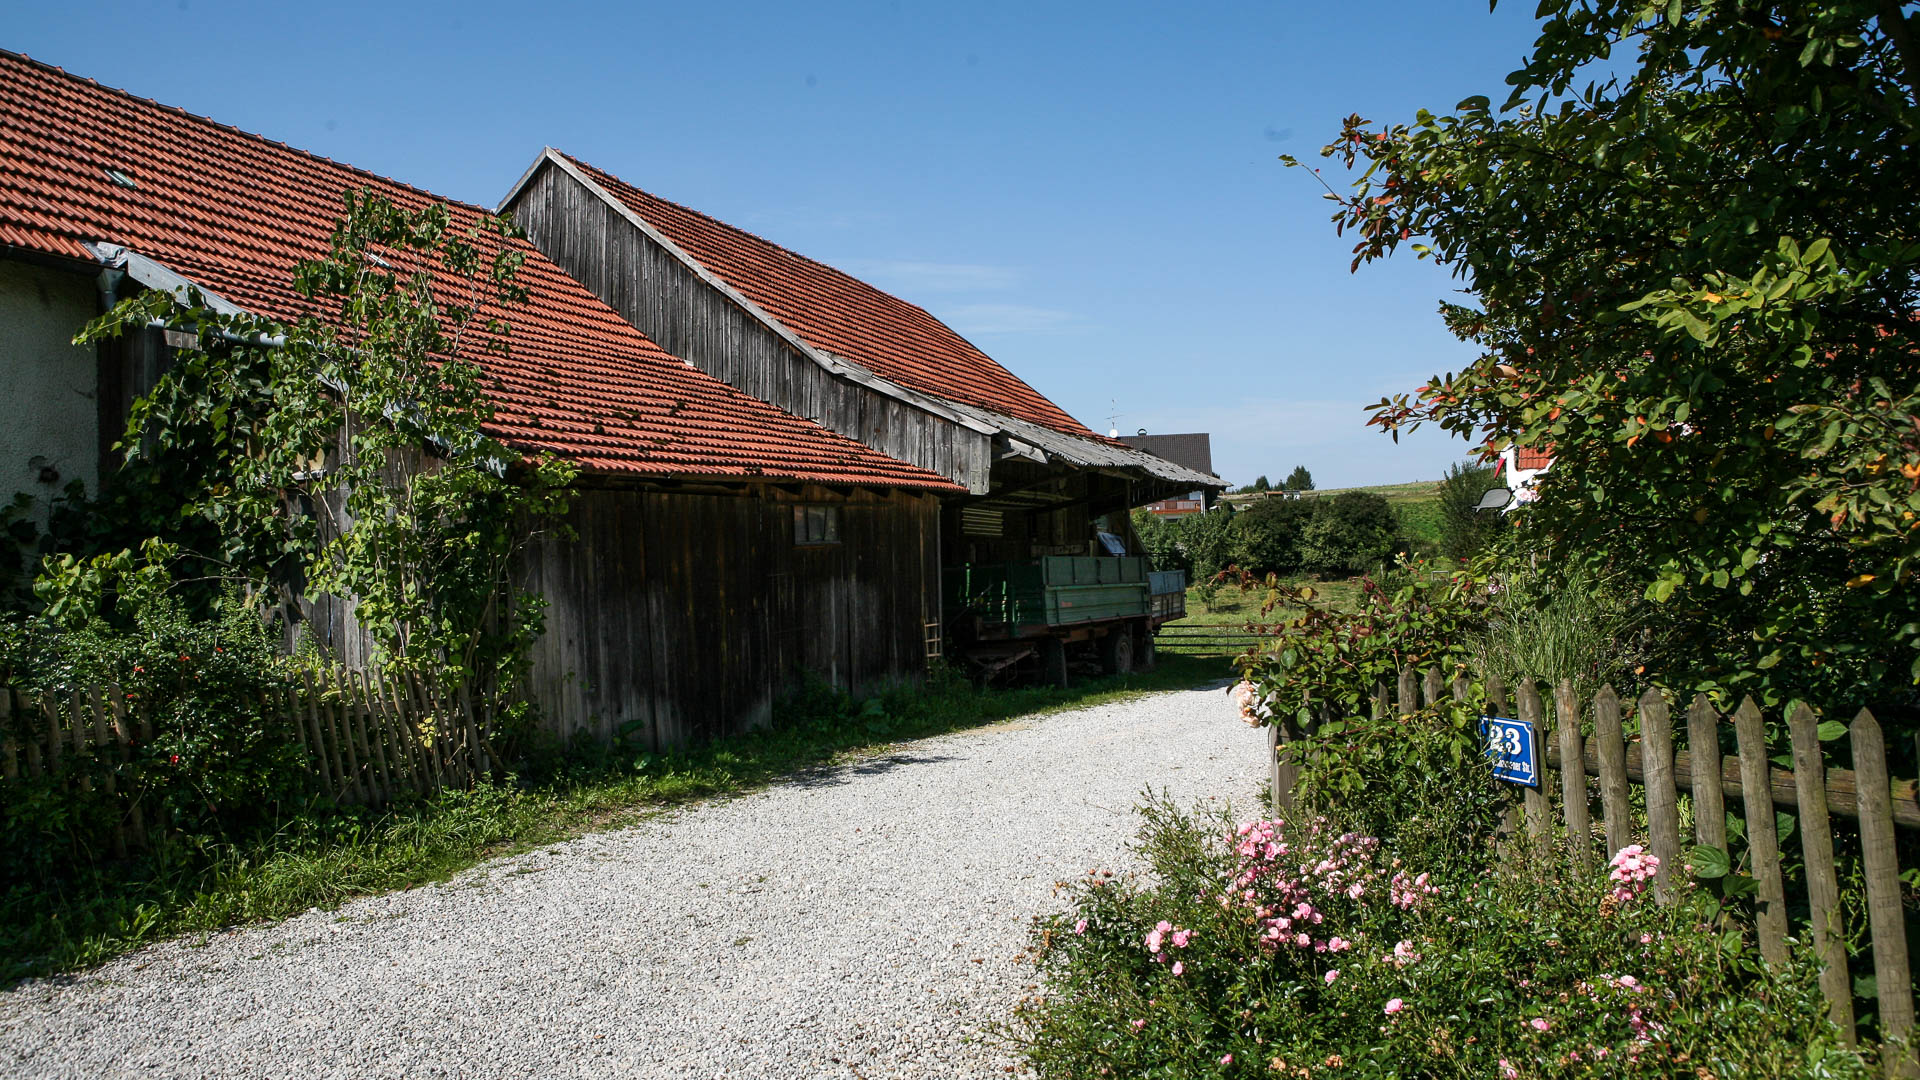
{"x": 1416, "y": 504}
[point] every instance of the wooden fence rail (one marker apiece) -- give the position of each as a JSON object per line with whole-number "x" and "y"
{"x": 365, "y": 739}
{"x": 1593, "y": 734}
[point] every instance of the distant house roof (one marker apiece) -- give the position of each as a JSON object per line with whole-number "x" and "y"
{"x": 233, "y": 213}
{"x": 1193, "y": 449}
{"x": 841, "y": 315}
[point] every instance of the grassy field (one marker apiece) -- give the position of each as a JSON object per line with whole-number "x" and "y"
{"x": 1416, "y": 505}
{"x": 93, "y": 916}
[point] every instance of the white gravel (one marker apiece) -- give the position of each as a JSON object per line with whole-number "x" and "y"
{"x": 866, "y": 921}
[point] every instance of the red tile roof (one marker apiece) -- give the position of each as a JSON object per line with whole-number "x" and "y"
{"x": 839, "y": 314}
{"x": 1525, "y": 458}
{"x": 234, "y": 212}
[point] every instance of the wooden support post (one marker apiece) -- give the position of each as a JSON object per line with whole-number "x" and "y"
{"x": 10, "y": 763}
{"x": 102, "y": 736}
{"x": 322, "y": 764}
{"x": 1703, "y": 747}
{"x": 1534, "y": 799}
{"x": 1573, "y": 778}
{"x": 378, "y": 736}
{"x": 482, "y": 751}
{"x": 1763, "y": 840}
{"x": 77, "y": 730}
{"x": 1612, "y": 752}
{"x": 1663, "y": 797}
{"x": 123, "y": 734}
{"x": 51, "y": 715}
{"x": 1497, "y": 702}
{"x": 359, "y": 786}
{"x": 1496, "y": 705}
{"x": 1891, "y": 975}
{"x": 1823, "y": 884}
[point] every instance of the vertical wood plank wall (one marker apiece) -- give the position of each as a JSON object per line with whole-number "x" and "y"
{"x": 658, "y": 294}
{"x": 685, "y": 615}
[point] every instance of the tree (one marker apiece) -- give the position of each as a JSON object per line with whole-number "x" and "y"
{"x": 1207, "y": 541}
{"x": 1268, "y": 535}
{"x": 1299, "y": 479}
{"x": 1695, "y": 283}
{"x": 1465, "y": 529}
{"x": 1350, "y": 533}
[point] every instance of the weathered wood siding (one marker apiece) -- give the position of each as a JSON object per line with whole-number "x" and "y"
{"x": 686, "y": 615}
{"x": 661, "y": 296}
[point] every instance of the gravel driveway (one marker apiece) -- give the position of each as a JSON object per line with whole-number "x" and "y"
{"x": 863, "y": 921}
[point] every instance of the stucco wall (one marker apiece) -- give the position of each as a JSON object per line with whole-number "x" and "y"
{"x": 47, "y": 384}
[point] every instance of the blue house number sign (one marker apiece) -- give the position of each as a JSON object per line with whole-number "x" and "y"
{"x": 1514, "y": 748}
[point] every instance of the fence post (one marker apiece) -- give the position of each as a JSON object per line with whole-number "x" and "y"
{"x": 1382, "y": 706}
{"x": 1573, "y": 777}
{"x": 1534, "y": 798}
{"x": 1703, "y": 747}
{"x": 1284, "y": 773}
{"x": 1663, "y": 796}
{"x": 1890, "y": 972}
{"x": 10, "y": 766}
{"x": 1763, "y": 839}
{"x": 1409, "y": 693}
{"x": 319, "y": 739}
{"x": 1823, "y": 886}
{"x": 1432, "y": 687}
{"x": 1611, "y": 749}
{"x": 1496, "y": 696}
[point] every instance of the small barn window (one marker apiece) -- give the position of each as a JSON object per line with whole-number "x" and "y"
{"x": 816, "y": 524}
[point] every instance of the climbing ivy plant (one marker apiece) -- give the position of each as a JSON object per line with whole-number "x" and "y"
{"x": 344, "y": 456}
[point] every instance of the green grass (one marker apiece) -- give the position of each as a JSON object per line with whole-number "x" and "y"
{"x": 322, "y": 861}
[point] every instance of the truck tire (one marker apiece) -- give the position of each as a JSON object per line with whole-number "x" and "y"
{"x": 1116, "y": 651}
{"x": 1053, "y": 662}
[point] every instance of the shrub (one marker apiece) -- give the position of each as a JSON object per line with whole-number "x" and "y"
{"x": 1207, "y": 540}
{"x": 1160, "y": 541}
{"x": 1350, "y": 533}
{"x": 216, "y": 767}
{"x": 1472, "y": 966}
{"x": 1267, "y": 535}
{"x": 1466, "y": 530}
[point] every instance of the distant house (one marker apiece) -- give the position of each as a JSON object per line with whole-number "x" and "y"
{"x": 1518, "y": 469}
{"x": 1193, "y": 450}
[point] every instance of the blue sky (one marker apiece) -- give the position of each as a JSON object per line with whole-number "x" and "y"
{"x": 1088, "y": 192}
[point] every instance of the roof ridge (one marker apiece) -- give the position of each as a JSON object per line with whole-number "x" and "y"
{"x": 775, "y": 244}
{"x": 55, "y": 69}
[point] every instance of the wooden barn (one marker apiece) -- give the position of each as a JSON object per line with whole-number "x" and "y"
{"x": 725, "y": 544}
{"x": 824, "y": 345}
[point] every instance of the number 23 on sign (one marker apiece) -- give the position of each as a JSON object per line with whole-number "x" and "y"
{"x": 1513, "y": 748}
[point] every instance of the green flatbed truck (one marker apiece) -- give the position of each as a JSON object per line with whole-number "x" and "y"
{"x": 1058, "y": 607}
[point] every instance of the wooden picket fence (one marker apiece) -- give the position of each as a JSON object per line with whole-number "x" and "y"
{"x": 367, "y": 739}
{"x": 1865, "y": 794}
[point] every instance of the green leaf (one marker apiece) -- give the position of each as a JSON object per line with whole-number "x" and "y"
{"x": 1830, "y": 730}
{"x": 1708, "y": 862}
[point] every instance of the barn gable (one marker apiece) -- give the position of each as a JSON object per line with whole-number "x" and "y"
{"x": 814, "y": 340}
